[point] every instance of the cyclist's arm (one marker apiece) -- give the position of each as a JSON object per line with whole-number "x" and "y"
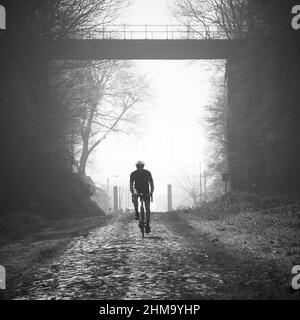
{"x": 131, "y": 186}
{"x": 151, "y": 184}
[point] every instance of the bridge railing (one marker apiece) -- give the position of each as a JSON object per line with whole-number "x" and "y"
{"x": 157, "y": 32}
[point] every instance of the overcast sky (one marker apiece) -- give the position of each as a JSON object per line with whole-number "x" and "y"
{"x": 170, "y": 140}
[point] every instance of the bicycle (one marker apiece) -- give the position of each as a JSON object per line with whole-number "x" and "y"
{"x": 142, "y": 220}
{"x": 142, "y": 215}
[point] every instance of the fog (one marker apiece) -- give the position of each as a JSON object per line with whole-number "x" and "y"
{"x": 169, "y": 139}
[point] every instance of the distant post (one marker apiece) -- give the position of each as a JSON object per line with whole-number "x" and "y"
{"x": 205, "y": 193}
{"x": 170, "y": 197}
{"x": 225, "y": 178}
{"x": 116, "y": 200}
{"x": 200, "y": 184}
{"x": 107, "y": 195}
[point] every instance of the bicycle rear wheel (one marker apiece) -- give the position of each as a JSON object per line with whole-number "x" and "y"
{"x": 142, "y": 221}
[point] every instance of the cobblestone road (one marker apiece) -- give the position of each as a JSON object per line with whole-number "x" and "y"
{"x": 114, "y": 262}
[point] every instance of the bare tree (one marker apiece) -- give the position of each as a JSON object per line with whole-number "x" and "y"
{"x": 77, "y": 18}
{"x": 227, "y": 17}
{"x": 191, "y": 186}
{"x": 231, "y": 19}
{"x": 113, "y": 93}
{"x": 61, "y": 19}
{"x": 215, "y": 121}
{"x": 100, "y": 98}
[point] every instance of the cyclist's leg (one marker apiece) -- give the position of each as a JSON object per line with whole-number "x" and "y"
{"x": 147, "y": 206}
{"x": 136, "y": 206}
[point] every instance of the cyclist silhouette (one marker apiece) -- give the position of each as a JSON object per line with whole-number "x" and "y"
{"x": 140, "y": 180}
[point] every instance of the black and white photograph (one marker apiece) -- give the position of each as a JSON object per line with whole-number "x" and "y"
{"x": 149, "y": 151}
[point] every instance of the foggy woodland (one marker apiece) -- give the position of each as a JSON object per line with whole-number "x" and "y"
{"x": 254, "y": 121}
{"x": 50, "y": 126}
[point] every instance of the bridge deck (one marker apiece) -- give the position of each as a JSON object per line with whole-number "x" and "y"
{"x": 141, "y": 49}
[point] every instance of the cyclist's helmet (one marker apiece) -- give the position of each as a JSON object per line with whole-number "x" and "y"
{"x": 140, "y": 164}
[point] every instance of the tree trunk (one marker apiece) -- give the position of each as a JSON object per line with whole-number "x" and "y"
{"x": 83, "y": 159}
